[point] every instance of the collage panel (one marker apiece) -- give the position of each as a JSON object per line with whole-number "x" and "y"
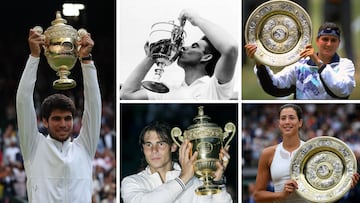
{"x": 57, "y": 93}
{"x": 300, "y": 49}
{"x": 314, "y": 144}
{"x": 156, "y": 139}
{"x": 184, "y": 52}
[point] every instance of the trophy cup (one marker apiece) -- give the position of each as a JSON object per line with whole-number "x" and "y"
{"x": 165, "y": 42}
{"x": 207, "y": 139}
{"x": 61, "y": 50}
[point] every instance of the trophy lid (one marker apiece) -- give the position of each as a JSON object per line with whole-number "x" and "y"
{"x": 202, "y": 120}
{"x": 59, "y": 29}
{"x": 58, "y": 20}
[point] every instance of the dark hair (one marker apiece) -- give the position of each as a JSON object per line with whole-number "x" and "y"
{"x": 297, "y": 108}
{"x": 56, "y": 101}
{"x": 329, "y": 28}
{"x": 163, "y": 130}
{"x": 210, "y": 49}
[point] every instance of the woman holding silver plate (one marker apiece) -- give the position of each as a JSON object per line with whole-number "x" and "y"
{"x": 275, "y": 161}
{"x": 321, "y": 75}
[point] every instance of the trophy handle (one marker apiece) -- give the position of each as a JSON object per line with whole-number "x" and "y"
{"x": 178, "y": 33}
{"x": 81, "y": 33}
{"x": 40, "y": 30}
{"x": 176, "y": 134}
{"x": 229, "y": 128}
{"x": 182, "y": 22}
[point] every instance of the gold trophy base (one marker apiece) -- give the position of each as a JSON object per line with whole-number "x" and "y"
{"x": 208, "y": 189}
{"x": 64, "y": 84}
{"x": 157, "y": 87}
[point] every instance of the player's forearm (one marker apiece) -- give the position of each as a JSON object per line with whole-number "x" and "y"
{"x": 133, "y": 82}
{"x": 221, "y": 39}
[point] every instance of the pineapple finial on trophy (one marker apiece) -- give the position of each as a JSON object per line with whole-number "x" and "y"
{"x": 58, "y": 19}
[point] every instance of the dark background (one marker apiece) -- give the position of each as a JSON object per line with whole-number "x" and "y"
{"x": 98, "y": 18}
{"x": 17, "y": 17}
{"x": 134, "y": 117}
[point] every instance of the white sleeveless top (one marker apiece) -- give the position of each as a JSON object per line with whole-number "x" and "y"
{"x": 280, "y": 172}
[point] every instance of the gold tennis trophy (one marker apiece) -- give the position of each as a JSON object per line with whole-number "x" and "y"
{"x": 323, "y": 168}
{"x": 61, "y": 50}
{"x": 207, "y": 139}
{"x": 165, "y": 42}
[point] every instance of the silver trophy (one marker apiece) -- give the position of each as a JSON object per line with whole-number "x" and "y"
{"x": 280, "y": 29}
{"x": 165, "y": 42}
{"x": 323, "y": 168}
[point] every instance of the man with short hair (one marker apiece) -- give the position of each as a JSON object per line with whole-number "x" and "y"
{"x": 166, "y": 180}
{"x": 209, "y": 66}
{"x": 58, "y": 168}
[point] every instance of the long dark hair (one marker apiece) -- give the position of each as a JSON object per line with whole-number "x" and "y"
{"x": 163, "y": 130}
{"x": 297, "y": 108}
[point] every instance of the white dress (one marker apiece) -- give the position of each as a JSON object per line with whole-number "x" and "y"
{"x": 280, "y": 172}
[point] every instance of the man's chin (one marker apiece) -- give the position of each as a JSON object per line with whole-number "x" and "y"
{"x": 60, "y": 138}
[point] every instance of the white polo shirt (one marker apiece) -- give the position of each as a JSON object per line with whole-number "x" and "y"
{"x": 204, "y": 88}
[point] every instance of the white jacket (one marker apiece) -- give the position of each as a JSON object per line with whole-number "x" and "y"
{"x": 58, "y": 172}
{"x": 306, "y": 81}
{"x": 144, "y": 187}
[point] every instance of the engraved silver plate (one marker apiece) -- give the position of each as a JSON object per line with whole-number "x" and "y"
{"x": 281, "y": 29}
{"x": 323, "y": 168}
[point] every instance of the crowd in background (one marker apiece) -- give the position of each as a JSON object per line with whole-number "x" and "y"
{"x": 260, "y": 129}
{"x": 12, "y": 174}
{"x": 99, "y": 20}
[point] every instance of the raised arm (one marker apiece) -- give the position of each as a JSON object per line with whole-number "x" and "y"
{"x": 91, "y": 120}
{"x": 26, "y": 115}
{"x": 131, "y": 89}
{"x": 221, "y": 40}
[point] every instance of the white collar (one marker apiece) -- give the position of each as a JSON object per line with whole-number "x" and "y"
{"x": 59, "y": 145}
{"x": 202, "y": 79}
